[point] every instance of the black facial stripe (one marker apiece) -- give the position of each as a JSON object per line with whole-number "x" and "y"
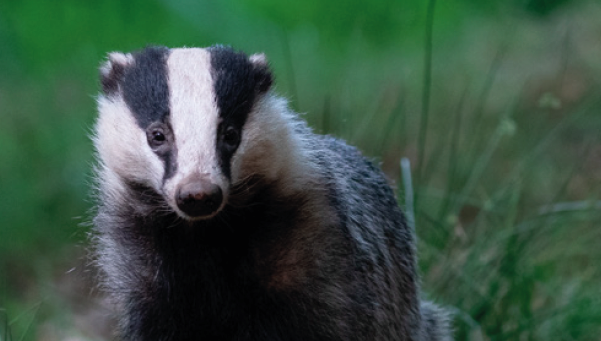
{"x": 145, "y": 86}
{"x": 169, "y": 160}
{"x": 146, "y": 93}
{"x": 236, "y": 82}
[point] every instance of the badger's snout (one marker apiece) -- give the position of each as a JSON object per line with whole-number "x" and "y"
{"x": 199, "y": 198}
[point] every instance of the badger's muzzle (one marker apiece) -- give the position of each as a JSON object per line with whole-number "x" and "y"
{"x": 199, "y": 198}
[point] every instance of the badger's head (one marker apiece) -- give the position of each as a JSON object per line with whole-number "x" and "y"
{"x": 186, "y": 123}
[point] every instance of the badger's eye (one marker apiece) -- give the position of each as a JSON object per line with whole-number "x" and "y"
{"x": 231, "y": 137}
{"x": 157, "y": 136}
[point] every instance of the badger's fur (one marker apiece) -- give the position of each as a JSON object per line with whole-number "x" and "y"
{"x": 221, "y": 216}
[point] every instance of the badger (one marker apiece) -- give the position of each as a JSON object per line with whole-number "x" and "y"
{"x": 220, "y": 215}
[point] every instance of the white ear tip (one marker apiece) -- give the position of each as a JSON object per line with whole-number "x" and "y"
{"x": 112, "y": 70}
{"x": 258, "y": 58}
{"x": 120, "y": 58}
{"x": 116, "y": 58}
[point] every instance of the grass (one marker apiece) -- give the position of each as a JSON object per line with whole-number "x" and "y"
{"x": 500, "y": 131}
{"x": 498, "y": 251}
{"x": 427, "y": 85}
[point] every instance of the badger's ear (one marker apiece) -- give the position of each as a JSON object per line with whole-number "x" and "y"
{"x": 112, "y": 71}
{"x": 263, "y": 74}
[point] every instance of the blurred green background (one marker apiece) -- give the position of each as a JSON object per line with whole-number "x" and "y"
{"x": 498, "y": 110}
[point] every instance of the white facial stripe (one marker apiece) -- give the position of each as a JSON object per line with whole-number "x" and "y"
{"x": 194, "y": 115}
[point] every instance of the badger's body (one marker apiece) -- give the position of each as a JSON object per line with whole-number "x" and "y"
{"x": 221, "y": 216}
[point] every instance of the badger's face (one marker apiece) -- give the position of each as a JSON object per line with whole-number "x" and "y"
{"x": 173, "y": 120}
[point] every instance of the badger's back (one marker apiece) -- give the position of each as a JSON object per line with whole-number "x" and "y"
{"x": 221, "y": 216}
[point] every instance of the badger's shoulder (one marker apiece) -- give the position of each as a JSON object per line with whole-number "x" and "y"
{"x": 358, "y": 184}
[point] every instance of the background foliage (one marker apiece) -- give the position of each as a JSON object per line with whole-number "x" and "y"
{"x": 507, "y": 127}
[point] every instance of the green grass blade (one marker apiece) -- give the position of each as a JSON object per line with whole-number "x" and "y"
{"x": 409, "y": 195}
{"x": 427, "y": 87}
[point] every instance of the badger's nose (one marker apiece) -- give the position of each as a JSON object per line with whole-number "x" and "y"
{"x": 199, "y": 198}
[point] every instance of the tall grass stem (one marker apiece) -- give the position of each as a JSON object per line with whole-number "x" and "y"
{"x": 408, "y": 187}
{"x": 427, "y": 85}
{"x": 290, "y": 68}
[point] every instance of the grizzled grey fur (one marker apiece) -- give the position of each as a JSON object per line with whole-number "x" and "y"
{"x": 285, "y": 234}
